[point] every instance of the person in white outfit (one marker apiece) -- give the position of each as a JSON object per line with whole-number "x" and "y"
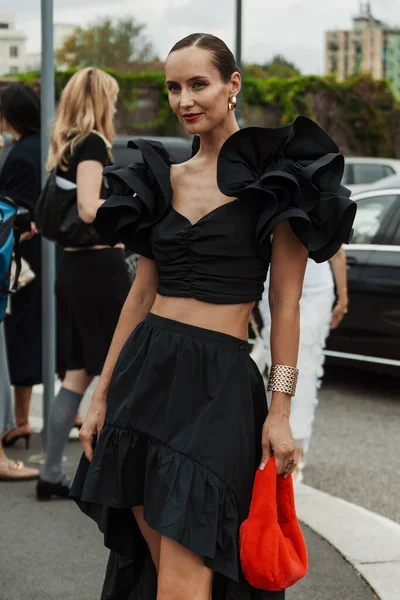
{"x": 318, "y": 315}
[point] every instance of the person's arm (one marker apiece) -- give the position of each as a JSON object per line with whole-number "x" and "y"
{"x": 89, "y": 177}
{"x": 19, "y": 181}
{"x": 288, "y": 264}
{"x": 91, "y": 156}
{"x": 339, "y": 270}
{"x": 138, "y": 303}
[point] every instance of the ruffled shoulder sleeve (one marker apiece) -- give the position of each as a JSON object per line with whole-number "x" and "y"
{"x": 295, "y": 173}
{"x": 139, "y": 195}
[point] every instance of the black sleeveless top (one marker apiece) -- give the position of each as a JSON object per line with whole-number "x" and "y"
{"x": 289, "y": 173}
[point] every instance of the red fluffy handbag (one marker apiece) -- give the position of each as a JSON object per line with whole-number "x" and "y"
{"x": 273, "y": 551}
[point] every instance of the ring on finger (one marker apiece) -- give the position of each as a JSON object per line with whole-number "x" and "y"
{"x": 290, "y": 465}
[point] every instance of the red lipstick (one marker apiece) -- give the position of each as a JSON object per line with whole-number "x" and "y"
{"x": 191, "y": 117}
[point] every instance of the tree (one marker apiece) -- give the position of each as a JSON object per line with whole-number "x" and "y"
{"x": 280, "y": 67}
{"x": 277, "y": 67}
{"x": 106, "y": 44}
{"x": 255, "y": 71}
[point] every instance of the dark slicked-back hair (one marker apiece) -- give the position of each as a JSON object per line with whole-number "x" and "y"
{"x": 221, "y": 57}
{"x": 20, "y": 107}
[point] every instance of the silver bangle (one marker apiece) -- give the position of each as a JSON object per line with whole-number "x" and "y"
{"x": 283, "y": 378}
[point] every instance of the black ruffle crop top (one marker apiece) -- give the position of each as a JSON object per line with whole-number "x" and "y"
{"x": 289, "y": 173}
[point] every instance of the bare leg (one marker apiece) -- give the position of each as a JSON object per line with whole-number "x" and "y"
{"x": 182, "y": 574}
{"x": 23, "y": 395}
{"x": 153, "y": 538}
{"x": 77, "y": 381}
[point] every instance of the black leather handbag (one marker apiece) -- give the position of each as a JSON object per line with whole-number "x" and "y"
{"x": 57, "y": 217}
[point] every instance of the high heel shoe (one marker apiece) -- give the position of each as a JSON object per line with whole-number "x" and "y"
{"x": 45, "y": 490}
{"x": 8, "y": 441}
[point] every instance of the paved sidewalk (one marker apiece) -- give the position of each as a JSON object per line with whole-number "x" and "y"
{"x": 370, "y": 542}
{"x": 50, "y": 550}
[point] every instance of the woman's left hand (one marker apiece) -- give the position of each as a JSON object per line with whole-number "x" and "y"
{"x": 338, "y": 313}
{"x": 277, "y": 439}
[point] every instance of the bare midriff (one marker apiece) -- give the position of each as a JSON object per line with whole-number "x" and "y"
{"x": 231, "y": 319}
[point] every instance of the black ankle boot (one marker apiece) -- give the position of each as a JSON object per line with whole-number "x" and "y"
{"x": 45, "y": 490}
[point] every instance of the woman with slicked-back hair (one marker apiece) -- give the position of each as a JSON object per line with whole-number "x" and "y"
{"x": 92, "y": 280}
{"x": 178, "y": 424}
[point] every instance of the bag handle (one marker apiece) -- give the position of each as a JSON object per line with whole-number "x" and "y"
{"x": 263, "y": 501}
{"x": 273, "y": 495}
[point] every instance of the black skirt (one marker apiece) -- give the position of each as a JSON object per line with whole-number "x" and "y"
{"x": 182, "y": 437}
{"x": 24, "y": 326}
{"x": 91, "y": 289}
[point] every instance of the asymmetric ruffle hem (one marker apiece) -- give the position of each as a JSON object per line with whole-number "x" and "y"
{"x": 179, "y": 396}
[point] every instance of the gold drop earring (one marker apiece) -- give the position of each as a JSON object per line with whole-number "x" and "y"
{"x": 232, "y": 103}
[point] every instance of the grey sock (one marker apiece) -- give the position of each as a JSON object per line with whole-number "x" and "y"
{"x": 62, "y": 418}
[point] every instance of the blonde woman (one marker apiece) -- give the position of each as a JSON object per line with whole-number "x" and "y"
{"x": 92, "y": 281}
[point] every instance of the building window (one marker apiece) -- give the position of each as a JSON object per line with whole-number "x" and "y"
{"x": 13, "y": 70}
{"x": 4, "y": 25}
{"x": 13, "y": 51}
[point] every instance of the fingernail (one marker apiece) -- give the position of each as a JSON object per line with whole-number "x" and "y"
{"x": 261, "y": 467}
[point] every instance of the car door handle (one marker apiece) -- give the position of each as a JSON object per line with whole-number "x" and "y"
{"x": 351, "y": 261}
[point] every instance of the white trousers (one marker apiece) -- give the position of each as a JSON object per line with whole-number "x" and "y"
{"x": 315, "y": 315}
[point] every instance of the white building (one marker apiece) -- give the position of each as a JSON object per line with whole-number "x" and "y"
{"x": 61, "y": 31}
{"x": 12, "y": 46}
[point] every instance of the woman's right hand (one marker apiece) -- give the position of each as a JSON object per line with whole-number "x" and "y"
{"x": 93, "y": 423}
{"x": 28, "y": 235}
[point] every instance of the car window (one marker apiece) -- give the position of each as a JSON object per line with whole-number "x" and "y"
{"x": 369, "y": 172}
{"x": 396, "y": 240}
{"x": 347, "y": 174}
{"x": 370, "y": 214}
{"x": 388, "y": 170}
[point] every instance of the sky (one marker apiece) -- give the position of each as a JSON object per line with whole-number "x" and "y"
{"x": 293, "y": 28}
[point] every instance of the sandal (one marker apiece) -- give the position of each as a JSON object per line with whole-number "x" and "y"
{"x": 15, "y": 470}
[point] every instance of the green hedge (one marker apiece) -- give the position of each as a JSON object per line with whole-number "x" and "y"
{"x": 365, "y": 106}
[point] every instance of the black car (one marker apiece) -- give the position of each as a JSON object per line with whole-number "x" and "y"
{"x": 179, "y": 148}
{"x": 369, "y": 335}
